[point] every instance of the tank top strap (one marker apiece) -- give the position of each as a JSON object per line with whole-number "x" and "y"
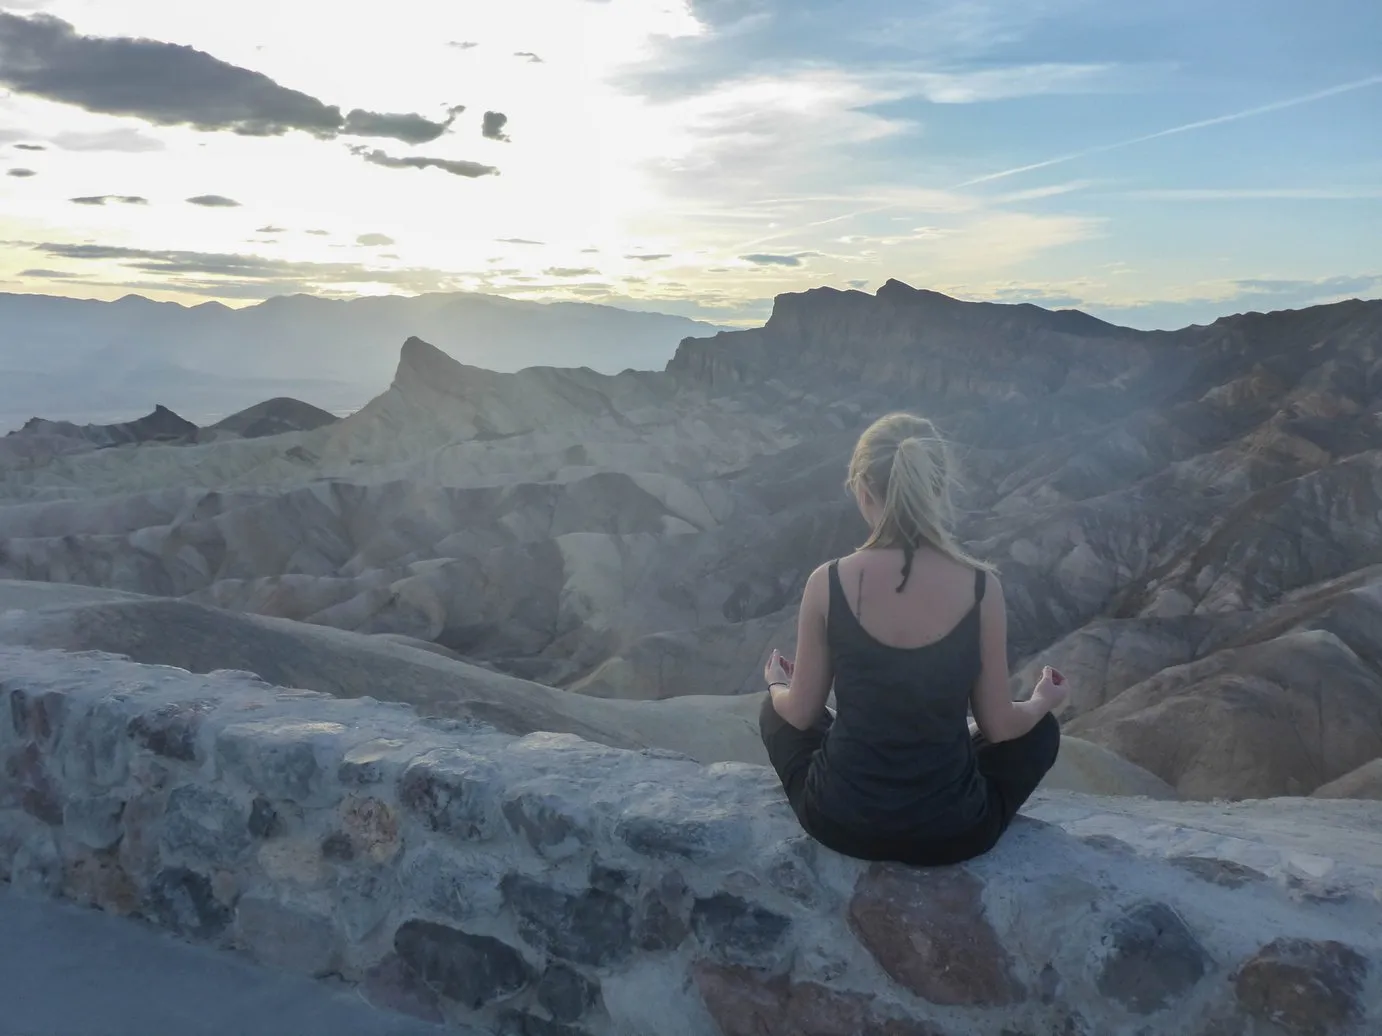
{"x": 980, "y": 584}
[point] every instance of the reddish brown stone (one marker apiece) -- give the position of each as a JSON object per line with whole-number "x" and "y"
{"x": 927, "y": 930}
{"x": 1303, "y": 986}
{"x": 745, "y": 1002}
{"x": 371, "y": 828}
{"x": 35, "y": 792}
{"x": 97, "y": 879}
{"x": 394, "y": 986}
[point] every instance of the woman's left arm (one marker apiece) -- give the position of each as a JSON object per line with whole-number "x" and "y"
{"x": 801, "y": 701}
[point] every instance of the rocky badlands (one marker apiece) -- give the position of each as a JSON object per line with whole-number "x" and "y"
{"x": 1188, "y": 524}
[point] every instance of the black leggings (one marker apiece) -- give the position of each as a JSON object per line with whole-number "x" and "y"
{"x": 1011, "y": 771}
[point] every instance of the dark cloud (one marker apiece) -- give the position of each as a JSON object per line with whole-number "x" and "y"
{"x": 50, "y": 275}
{"x": 494, "y": 126}
{"x": 411, "y": 129}
{"x": 101, "y": 199}
{"x": 649, "y": 258}
{"x": 233, "y": 275}
{"x": 214, "y": 201}
{"x": 518, "y": 241}
{"x": 271, "y": 229}
{"x": 31, "y": 147}
{"x": 570, "y": 271}
{"x": 374, "y": 239}
{"x": 762, "y": 259}
{"x": 533, "y": 59}
{"x": 452, "y": 166}
{"x": 173, "y": 85}
{"x": 21, "y": 173}
{"x": 128, "y": 140}
{"x": 462, "y": 44}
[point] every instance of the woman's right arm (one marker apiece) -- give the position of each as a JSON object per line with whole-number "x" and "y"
{"x": 999, "y": 717}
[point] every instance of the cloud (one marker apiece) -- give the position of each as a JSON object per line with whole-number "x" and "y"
{"x": 128, "y": 140}
{"x": 21, "y": 173}
{"x": 101, "y": 199}
{"x": 320, "y": 233}
{"x": 173, "y": 85}
{"x": 411, "y": 129}
{"x": 570, "y": 271}
{"x": 533, "y": 59}
{"x": 858, "y": 285}
{"x": 765, "y": 259}
{"x": 271, "y": 229}
{"x": 1259, "y": 194}
{"x": 214, "y": 201}
{"x": 518, "y": 241}
{"x": 462, "y": 44}
{"x": 50, "y": 275}
{"x": 650, "y": 258}
{"x": 452, "y": 166}
{"x": 231, "y": 275}
{"x": 374, "y": 239}
{"x": 494, "y": 126}
{"x": 30, "y": 147}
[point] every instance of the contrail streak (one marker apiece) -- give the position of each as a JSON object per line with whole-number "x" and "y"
{"x": 1290, "y": 102}
{"x": 1264, "y": 109}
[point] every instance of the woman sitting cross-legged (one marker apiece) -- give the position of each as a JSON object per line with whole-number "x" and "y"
{"x": 912, "y": 633}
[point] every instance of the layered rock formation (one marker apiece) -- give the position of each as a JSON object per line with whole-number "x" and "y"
{"x": 1186, "y": 522}
{"x": 544, "y": 884}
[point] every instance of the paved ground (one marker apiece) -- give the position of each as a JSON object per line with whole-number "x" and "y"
{"x": 66, "y": 971}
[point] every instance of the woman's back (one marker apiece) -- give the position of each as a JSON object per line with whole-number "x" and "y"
{"x": 898, "y": 758}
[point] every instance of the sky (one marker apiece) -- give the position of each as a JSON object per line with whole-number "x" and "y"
{"x": 1154, "y": 164}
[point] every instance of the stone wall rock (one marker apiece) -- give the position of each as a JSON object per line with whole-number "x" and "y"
{"x": 546, "y": 885}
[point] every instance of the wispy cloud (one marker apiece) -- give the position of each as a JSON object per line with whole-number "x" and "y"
{"x": 1258, "y": 194}
{"x": 374, "y": 240}
{"x": 1218, "y": 120}
{"x": 101, "y": 199}
{"x": 769, "y": 259}
{"x": 570, "y": 271}
{"x": 214, "y": 201}
{"x": 21, "y": 173}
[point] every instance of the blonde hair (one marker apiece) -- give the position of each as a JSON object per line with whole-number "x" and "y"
{"x": 907, "y": 468}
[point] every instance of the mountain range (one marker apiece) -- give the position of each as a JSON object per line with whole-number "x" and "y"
{"x": 1188, "y": 523}
{"x": 88, "y": 360}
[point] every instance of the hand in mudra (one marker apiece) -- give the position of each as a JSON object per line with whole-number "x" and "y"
{"x": 1052, "y": 688}
{"x": 779, "y": 669}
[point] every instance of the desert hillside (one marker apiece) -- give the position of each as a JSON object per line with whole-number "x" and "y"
{"x": 1189, "y": 523}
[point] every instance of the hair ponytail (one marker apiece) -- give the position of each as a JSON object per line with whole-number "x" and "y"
{"x": 907, "y": 467}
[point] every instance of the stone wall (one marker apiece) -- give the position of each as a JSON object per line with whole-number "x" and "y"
{"x": 547, "y": 886}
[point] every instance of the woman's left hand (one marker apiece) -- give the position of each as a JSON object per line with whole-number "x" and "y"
{"x": 778, "y": 669}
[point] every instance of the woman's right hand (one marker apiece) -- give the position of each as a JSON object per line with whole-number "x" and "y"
{"x": 1052, "y": 689}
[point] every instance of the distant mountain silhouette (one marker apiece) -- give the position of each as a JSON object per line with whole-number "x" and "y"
{"x": 216, "y": 360}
